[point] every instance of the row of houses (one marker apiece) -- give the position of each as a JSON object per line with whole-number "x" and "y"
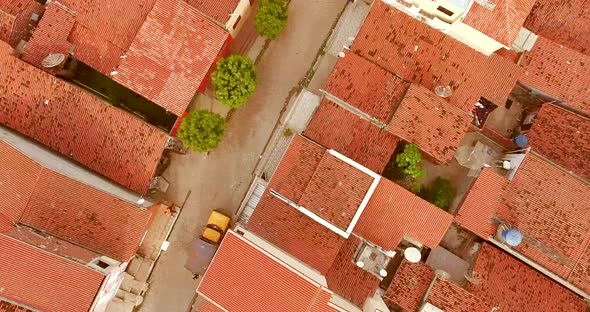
{"x": 329, "y": 232}
{"x": 90, "y": 92}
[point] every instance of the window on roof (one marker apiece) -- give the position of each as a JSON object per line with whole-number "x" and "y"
{"x": 445, "y": 10}
{"x": 102, "y": 264}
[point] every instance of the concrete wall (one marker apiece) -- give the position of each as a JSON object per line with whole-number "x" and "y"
{"x": 243, "y": 10}
{"x": 69, "y": 168}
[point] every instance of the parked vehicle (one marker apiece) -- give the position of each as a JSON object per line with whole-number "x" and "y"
{"x": 203, "y": 248}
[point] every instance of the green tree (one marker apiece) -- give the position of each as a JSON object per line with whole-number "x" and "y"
{"x": 271, "y": 18}
{"x": 234, "y": 80}
{"x": 440, "y": 193}
{"x": 409, "y": 162}
{"x": 202, "y": 130}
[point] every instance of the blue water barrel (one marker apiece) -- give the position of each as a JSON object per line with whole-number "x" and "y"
{"x": 512, "y": 237}
{"x": 521, "y": 140}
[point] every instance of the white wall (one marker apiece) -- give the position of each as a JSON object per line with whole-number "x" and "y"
{"x": 243, "y": 9}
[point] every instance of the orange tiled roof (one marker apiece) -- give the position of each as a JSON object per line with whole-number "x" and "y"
{"x": 563, "y": 137}
{"x": 317, "y": 180}
{"x": 366, "y": 86}
{"x": 77, "y": 124}
{"x": 171, "y": 55}
{"x": 41, "y": 280}
{"x": 503, "y": 22}
{"x": 558, "y": 71}
{"x": 394, "y": 212}
{"x": 219, "y": 10}
{"x": 257, "y": 281}
{"x": 348, "y": 280}
{"x": 68, "y": 209}
{"x": 336, "y": 128}
{"x": 424, "y": 55}
{"x": 563, "y": 22}
{"x": 433, "y": 124}
{"x": 514, "y": 286}
{"x": 295, "y": 233}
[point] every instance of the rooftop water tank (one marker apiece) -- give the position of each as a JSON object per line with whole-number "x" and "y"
{"x": 521, "y": 140}
{"x": 512, "y": 237}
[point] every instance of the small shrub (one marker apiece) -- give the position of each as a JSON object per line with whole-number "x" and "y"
{"x": 440, "y": 193}
{"x": 409, "y": 162}
{"x": 234, "y": 80}
{"x": 202, "y": 131}
{"x": 288, "y": 132}
{"x": 416, "y": 187}
{"x": 271, "y": 18}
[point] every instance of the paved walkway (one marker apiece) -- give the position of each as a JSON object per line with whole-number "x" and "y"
{"x": 220, "y": 180}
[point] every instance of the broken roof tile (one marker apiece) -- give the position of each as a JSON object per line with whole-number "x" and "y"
{"x": 394, "y": 213}
{"x": 338, "y": 129}
{"x": 78, "y": 125}
{"x": 563, "y": 137}
{"x": 427, "y": 120}
{"x": 409, "y": 285}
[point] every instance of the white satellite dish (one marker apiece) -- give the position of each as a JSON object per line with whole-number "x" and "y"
{"x": 360, "y": 264}
{"x": 53, "y": 60}
{"x": 140, "y": 201}
{"x": 443, "y": 91}
{"x": 383, "y": 273}
{"x": 412, "y": 254}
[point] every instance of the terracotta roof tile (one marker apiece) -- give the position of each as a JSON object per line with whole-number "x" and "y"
{"x": 6, "y": 25}
{"x": 336, "y": 191}
{"x": 322, "y": 302}
{"x": 482, "y": 202}
{"x": 15, "y": 16}
{"x": 348, "y": 280}
{"x": 11, "y": 307}
{"x": 563, "y": 137}
{"x": 91, "y": 49}
{"x": 564, "y": 22}
{"x": 13, "y": 7}
{"x": 409, "y": 285}
{"x": 18, "y": 177}
{"x": 366, "y": 86}
{"x": 297, "y": 168}
{"x": 207, "y": 306}
{"x": 503, "y": 22}
{"x": 295, "y": 233}
{"x": 107, "y": 140}
{"x": 449, "y": 296}
{"x": 336, "y": 128}
{"x": 322, "y": 183}
{"x": 33, "y": 277}
{"x": 79, "y": 213}
{"x": 546, "y": 204}
{"x": 50, "y": 35}
{"x": 421, "y": 54}
{"x": 219, "y": 10}
{"x": 514, "y": 286}
{"x": 549, "y": 205}
{"x": 558, "y": 71}
{"x": 394, "y": 212}
{"x": 255, "y": 280}
{"x": 171, "y": 55}
{"x": 433, "y": 124}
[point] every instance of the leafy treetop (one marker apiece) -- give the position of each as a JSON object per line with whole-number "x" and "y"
{"x": 271, "y": 18}
{"x": 234, "y": 80}
{"x": 202, "y": 130}
{"x": 409, "y": 161}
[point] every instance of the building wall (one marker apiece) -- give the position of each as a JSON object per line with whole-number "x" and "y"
{"x": 242, "y": 12}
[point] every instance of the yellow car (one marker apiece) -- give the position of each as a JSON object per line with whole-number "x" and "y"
{"x": 203, "y": 248}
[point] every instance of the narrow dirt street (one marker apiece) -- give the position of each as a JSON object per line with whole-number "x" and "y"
{"x": 219, "y": 180}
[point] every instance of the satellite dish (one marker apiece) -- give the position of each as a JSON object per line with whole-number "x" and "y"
{"x": 140, "y": 201}
{"x": 341, "y": 54}
{"x": 53, "y": 60}
{"x": 412, "y": 254}
{"x": 383, "y": 273}
{"x": 443, "y": 91}
{"x": 442, "y": 274}
{"x": 360, "y": 264}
